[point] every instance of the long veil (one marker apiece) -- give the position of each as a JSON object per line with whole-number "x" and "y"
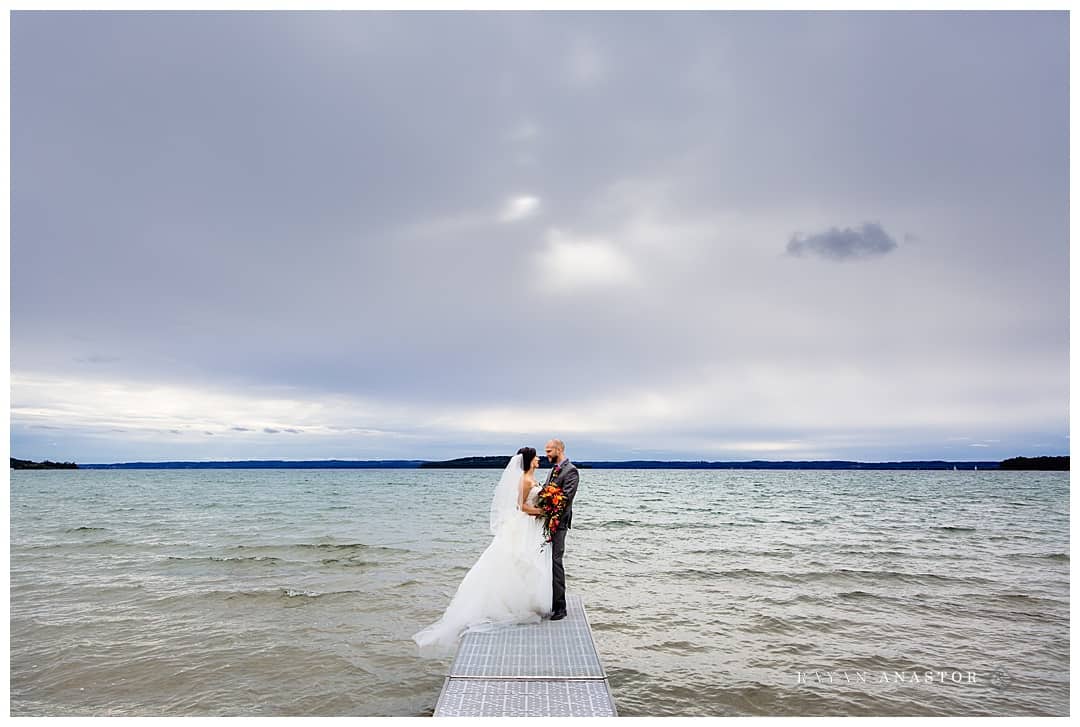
{"x": 509, "y": 583}
{"x": 504, "y": 504}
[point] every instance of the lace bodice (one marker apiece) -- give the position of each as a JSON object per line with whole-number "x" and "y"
{"x": 534, "y": 492}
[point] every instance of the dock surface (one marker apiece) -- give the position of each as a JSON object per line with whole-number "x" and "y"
{"x": 547, "y": 669}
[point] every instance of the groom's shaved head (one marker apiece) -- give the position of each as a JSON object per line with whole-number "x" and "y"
{"x": 554, "y": 448}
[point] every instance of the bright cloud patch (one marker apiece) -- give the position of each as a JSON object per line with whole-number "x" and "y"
{"x": 586, "y": 262}
{"x": 520, "y": 207}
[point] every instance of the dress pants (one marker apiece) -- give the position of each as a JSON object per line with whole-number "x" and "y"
{"x": 558, "y": 575}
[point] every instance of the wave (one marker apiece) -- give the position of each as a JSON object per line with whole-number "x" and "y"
{"x": 954, "y": 528}
{"x": 616, "y": 626}
{"x": 106, "y": 541}
{"x": 828, "y": 599}
{"x": 337, "y": 548}
{"x": 349, "y": 562}
{"x": 764, "y": 623}
{"x": 226, "y": 559}
{"x": 744, "y": 552}
{"x": 272, "y": 594}
{"x": 677, "y": 647}
{"x": 827, "y": 575}
{"x": 1041, "y": 556}
{"x": 84, "y": 529}
{"x": 619, "y": 524}
{"x": 1025, "y": 598}
{"x": 351, "y": 555}
{"x": 876, "y": 552}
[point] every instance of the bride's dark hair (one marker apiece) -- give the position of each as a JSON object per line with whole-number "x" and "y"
{"x": 527, "y": 454}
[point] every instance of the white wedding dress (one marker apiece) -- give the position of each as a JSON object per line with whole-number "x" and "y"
{"x": 509, "y": 584}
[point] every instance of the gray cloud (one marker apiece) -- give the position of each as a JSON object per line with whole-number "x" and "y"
{"x": 270, "y": 430}
{"x": 302, "y": 217}
{"x": 870, "y": 240}
{"x": 96, "y": 359}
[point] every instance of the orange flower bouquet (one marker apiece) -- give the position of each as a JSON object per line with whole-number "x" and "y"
{"x": 552, "y": 500}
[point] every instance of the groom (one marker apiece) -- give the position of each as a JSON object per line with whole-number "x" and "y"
{"x": 565, "y": 475}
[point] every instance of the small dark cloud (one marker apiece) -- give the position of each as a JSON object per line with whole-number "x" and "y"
{"x": 241, "y": 429}
{"x": 176, "y": 431}
{"x": 846, "y": 244}
{"x": 291, "y": 431}
{"x": 210, "y": 433}
{"x": 268, "y": 430}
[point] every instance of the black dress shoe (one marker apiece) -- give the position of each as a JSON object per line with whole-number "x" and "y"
{"x": 559, "y": 615}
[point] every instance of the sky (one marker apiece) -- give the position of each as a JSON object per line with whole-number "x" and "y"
{"x": 709, "y": 235}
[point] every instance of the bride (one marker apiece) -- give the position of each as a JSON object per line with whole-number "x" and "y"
{"x": 511, "y": 581}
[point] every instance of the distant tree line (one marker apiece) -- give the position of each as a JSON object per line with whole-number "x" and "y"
{"x": 1036, "y": 463}
{"x": 25, "y": 464}
{"x": 260, "y": 464}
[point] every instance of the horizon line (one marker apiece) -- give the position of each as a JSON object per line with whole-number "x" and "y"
{"x": 583, "y": 461}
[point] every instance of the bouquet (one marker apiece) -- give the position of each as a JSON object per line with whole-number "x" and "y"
{"x": 552, "y": 500}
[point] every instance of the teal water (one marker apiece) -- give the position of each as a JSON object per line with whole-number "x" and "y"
{"x": 717, "y": 592}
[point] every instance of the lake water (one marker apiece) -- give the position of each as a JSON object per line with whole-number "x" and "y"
{"x": 715, "y": 592}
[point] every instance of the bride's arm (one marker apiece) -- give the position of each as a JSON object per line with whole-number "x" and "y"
{"x": 523, "y": 493}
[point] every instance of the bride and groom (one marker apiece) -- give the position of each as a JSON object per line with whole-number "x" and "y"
{"x": 519, "y": 578}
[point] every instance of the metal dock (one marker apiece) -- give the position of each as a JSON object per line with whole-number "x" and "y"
{"x": 547, "y": 669}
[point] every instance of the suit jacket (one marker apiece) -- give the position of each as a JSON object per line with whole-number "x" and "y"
{"x": 568, "y": 481}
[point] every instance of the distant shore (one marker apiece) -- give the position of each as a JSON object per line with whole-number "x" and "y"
{"x": 1059, "y": 463}
{"x": 25, "y": 464}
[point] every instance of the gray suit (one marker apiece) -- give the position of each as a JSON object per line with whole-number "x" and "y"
{"x": 568, "y": 481}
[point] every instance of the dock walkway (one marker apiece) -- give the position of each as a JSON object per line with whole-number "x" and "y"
{"x": 548, "y": 669}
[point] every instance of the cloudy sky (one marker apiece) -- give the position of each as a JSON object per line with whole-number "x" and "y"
{"x": 708, "y": 235}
